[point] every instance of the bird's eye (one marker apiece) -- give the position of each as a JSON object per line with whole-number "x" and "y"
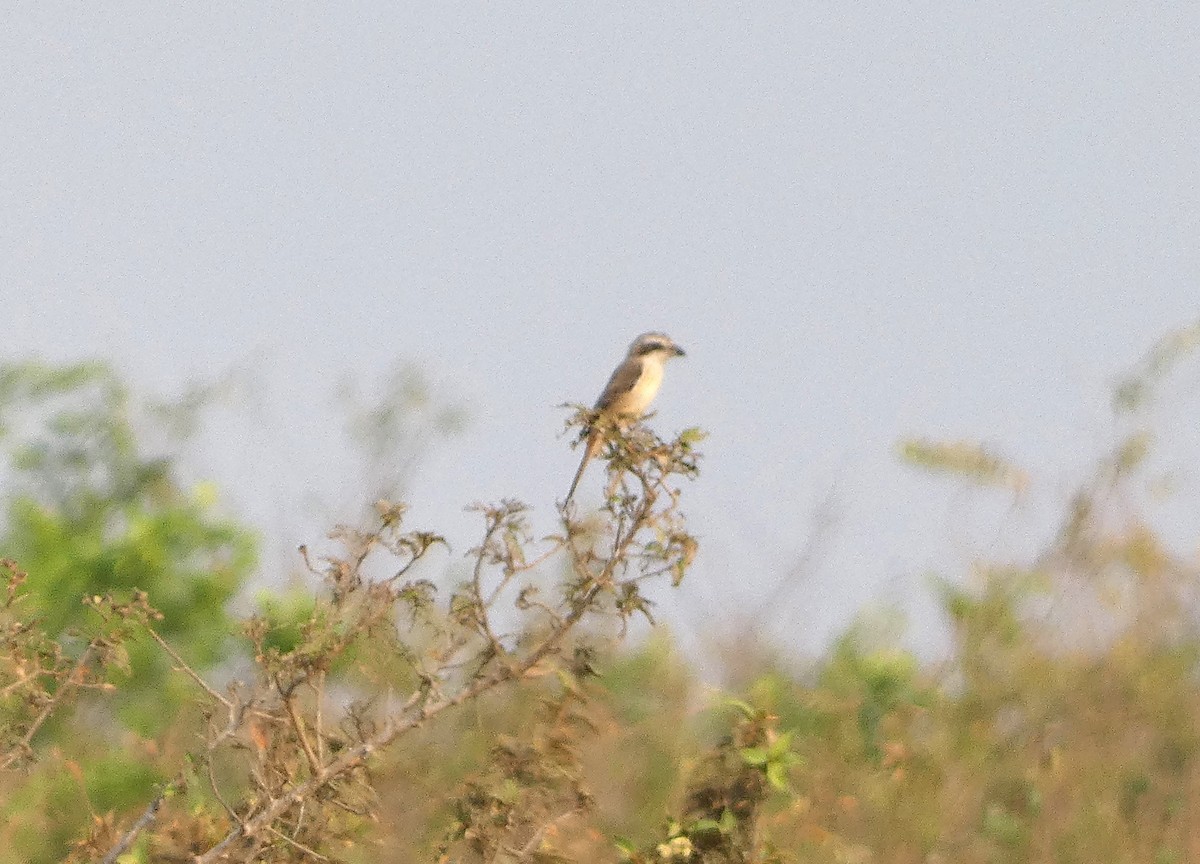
{"x": 650, "y": 347}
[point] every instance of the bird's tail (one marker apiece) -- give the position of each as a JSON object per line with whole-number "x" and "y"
{"x": 592, "y": 448}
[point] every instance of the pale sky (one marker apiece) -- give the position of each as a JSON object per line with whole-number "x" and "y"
{"x": 863, "y": 221}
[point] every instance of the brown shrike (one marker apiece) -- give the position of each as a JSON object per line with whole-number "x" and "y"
{"x": 630, "y": 390}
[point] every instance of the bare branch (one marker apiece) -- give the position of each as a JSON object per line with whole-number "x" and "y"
{"x": 314, "y": 763}
{"x": 355, "y": 756}
{"x": 143, "y": 821}
{"x": 183, "y": 666}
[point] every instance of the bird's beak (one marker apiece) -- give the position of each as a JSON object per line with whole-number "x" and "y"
{"x": 679, "y": 352}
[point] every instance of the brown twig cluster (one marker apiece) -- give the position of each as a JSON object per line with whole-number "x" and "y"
{"x": 283, "y": 768}
{"x": 40, "y": 676}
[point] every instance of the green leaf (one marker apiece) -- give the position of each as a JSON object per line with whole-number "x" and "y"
{"x": 692, "y": 435}
{"x": 745, "y": 707}
{"x": 728, "y": 821}
{"x": 777, "y": 776}
{"x": 781, "y": 745}
{"x": 756, "y": 756}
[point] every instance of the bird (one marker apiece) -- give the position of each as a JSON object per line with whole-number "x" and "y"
{"x": 630, "y": 390}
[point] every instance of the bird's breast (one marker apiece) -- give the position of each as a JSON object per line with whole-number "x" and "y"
{"x": 638, "y": 398}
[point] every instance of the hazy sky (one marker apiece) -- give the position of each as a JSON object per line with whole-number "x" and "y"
{"x": 862, "y": 221}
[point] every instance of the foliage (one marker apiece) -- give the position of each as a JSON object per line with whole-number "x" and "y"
{"x": 392, "y": 715}
{"x": 92, "y": 514}
{"x": 98, "y": 519}
{"x": 283, "y": 767}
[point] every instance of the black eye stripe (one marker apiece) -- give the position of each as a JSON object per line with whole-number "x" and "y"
{"x": 651, "y": 346}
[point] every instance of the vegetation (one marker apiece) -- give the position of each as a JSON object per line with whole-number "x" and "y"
{"x": 397, "y": 713}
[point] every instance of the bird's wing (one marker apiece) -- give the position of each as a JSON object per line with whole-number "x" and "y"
{"x": 621, "y": 382}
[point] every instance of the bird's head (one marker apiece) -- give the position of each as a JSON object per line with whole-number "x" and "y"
{"x": 658, "y": 345}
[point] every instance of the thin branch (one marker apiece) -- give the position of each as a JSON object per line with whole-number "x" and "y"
{"x": 21, "y": 682}
{"x": 631, "y": 513}
{"x": 69, "y": 683}
{"x": 536, "y": 562}
{"x": 298, "y": 845}
{"x": 212, "y": 783}
{"x": 143, "y": 821}
{"x": 524, "y": 853}
{"x": 237, "y": 713}
{"x": 183, "y": 666}
{"x": 481, "y": 609}
{"x": 314, "y": 764}
{"x": 319, "y": 689}
{"x": 357, "y": 755}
